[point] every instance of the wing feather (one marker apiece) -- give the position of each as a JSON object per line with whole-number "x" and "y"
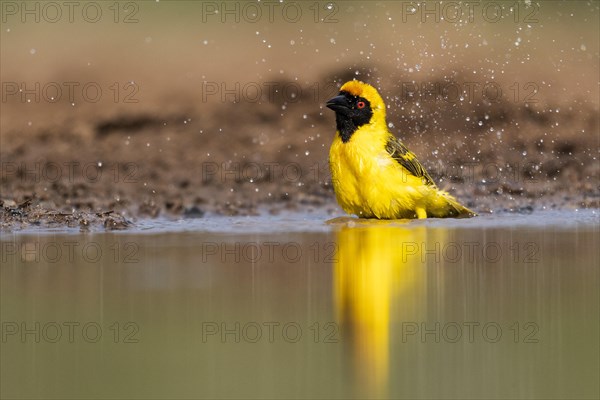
{"x": 407, "y": 159}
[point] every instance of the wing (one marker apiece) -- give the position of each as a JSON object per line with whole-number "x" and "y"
{"x": 407, "y": 159}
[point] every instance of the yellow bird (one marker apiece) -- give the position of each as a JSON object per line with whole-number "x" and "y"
{"x": 374, "y": 175}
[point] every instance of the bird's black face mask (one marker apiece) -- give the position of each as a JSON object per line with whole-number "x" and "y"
{"x": 351, "y": 112}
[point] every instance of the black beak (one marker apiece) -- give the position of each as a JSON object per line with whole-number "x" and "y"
{"x": 338, "y": 103}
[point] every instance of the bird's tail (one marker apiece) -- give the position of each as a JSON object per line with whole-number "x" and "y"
{"x": 447, "y": 206}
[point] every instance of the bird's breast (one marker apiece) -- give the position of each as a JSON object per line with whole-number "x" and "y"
{"x": 360, "y": 175}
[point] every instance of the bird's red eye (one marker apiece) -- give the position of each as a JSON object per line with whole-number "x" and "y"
{"x": 360, "y": 104}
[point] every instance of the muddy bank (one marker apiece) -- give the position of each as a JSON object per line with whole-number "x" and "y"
{"x": 227, "y": 158}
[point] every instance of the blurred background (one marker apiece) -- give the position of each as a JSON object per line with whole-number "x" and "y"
{"x": 145, "y": 106}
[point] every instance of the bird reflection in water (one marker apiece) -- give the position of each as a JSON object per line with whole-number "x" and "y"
{"x": 377, "y": 263}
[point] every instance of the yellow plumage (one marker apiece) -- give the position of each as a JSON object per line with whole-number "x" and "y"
{"x": 374, "y": 175}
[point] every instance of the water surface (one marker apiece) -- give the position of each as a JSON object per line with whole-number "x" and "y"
{"x": 290, "y": 306}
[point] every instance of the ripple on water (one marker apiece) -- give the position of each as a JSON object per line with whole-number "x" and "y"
{"x": 293, "y": 222}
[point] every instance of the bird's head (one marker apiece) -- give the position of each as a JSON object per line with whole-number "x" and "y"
{"x": 357, "y": 104}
